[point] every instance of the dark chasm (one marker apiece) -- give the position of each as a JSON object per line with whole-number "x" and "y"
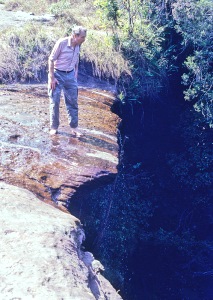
{"x": 151, "y": 227}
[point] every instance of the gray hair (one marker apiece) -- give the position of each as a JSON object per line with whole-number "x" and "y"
{"x": 78, "y": 30}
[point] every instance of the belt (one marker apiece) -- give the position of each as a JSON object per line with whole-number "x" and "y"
{"x": 64, "y": 71}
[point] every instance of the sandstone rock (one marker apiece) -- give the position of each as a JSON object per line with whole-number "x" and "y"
{"x": 40, "y": 252}
{"x": 54, "y": 167}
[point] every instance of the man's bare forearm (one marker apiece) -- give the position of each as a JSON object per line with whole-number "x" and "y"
{"x": 51, "y": 69}
{"x": 52, "y": 80}
{"x": 76, "y": 71}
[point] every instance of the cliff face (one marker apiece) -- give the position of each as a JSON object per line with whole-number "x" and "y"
{"x": 40, "y": 252}
{"x": 54, "y": 167}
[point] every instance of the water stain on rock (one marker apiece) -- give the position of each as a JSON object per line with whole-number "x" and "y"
{"x": 54, "y": 167}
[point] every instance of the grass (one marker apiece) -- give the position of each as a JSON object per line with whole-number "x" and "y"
{"x": 24, "y": 51}
{"x": 36, "y": 7}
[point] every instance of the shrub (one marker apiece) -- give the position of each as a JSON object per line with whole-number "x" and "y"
{"x": 59, "y": 8}
{"x": 194, "y": 23}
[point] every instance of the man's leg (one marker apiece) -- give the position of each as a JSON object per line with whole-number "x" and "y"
{"x": 54, "y": 97}
{"x": 71, "y": 99}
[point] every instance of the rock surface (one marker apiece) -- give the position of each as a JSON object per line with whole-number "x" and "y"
{"x": 40, "y": 252}
{"x": 40, "y": 249}
{"x": 53, "y": 167}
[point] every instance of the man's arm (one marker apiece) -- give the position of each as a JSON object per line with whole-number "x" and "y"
{"x": 52, "y": 80}
{"x": 76, "y": 68}
{"x": 76, "y": 71}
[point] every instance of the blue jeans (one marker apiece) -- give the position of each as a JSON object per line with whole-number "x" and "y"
{"x": 68, "y": 83}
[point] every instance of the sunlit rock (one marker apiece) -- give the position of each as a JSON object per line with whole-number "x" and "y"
{"x": 53, "y": 167}
{"x": 40, "y": 252}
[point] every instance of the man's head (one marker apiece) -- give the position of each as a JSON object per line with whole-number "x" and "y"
{"x": 78, "y": 35}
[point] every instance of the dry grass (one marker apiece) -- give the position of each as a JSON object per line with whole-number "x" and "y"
{"x": 80, "y": 10}
{"x": 98, "y": 49}
{"x": 19, "y": 64}
{"x": 36, "y": 7}
{"x": 23, "y": 53}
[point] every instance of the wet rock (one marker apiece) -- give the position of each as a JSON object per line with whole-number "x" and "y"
{"x": 40, "y": 252}
{"x": 53, "y": 167}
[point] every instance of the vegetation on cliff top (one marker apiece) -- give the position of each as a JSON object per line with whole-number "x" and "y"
{"x": 160, "y": 39}
{"x": 25, "y": 50}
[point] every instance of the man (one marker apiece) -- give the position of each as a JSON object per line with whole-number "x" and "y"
{"x": 63, "y": 72}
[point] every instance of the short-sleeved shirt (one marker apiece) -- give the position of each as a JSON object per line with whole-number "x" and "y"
{"x": 64, "y": 55}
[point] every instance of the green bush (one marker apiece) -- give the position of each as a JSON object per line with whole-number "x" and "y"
{"x": 194, "y": 22}
{"x": 60, "y": 8}
{"x": 153, "y": 35}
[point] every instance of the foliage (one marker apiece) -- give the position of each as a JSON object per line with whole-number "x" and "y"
{"x": 24, "y": 53}
{"x": 30, "y": 5}
{"x": 192, "y": 167}
{"x": 145, "y": 41}
{"x": 59, "y": 8}
{"x": 141, "y": 36}
{"x": 194, "y": 20}
{"x": 66, "y": 11}
{"x": 107, "y": 11}
{"x": 69, "y": 13}
{"x": 153, "y": 35}
{"x": 99, "y": 51}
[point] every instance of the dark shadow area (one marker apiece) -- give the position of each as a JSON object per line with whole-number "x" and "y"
{"x": 152, "y": 227}
{"x": 79, "y": 205}
{"x": 88, "y": 79}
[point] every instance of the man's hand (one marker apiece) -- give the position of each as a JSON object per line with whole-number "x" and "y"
{"x": 52, "y": 82}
